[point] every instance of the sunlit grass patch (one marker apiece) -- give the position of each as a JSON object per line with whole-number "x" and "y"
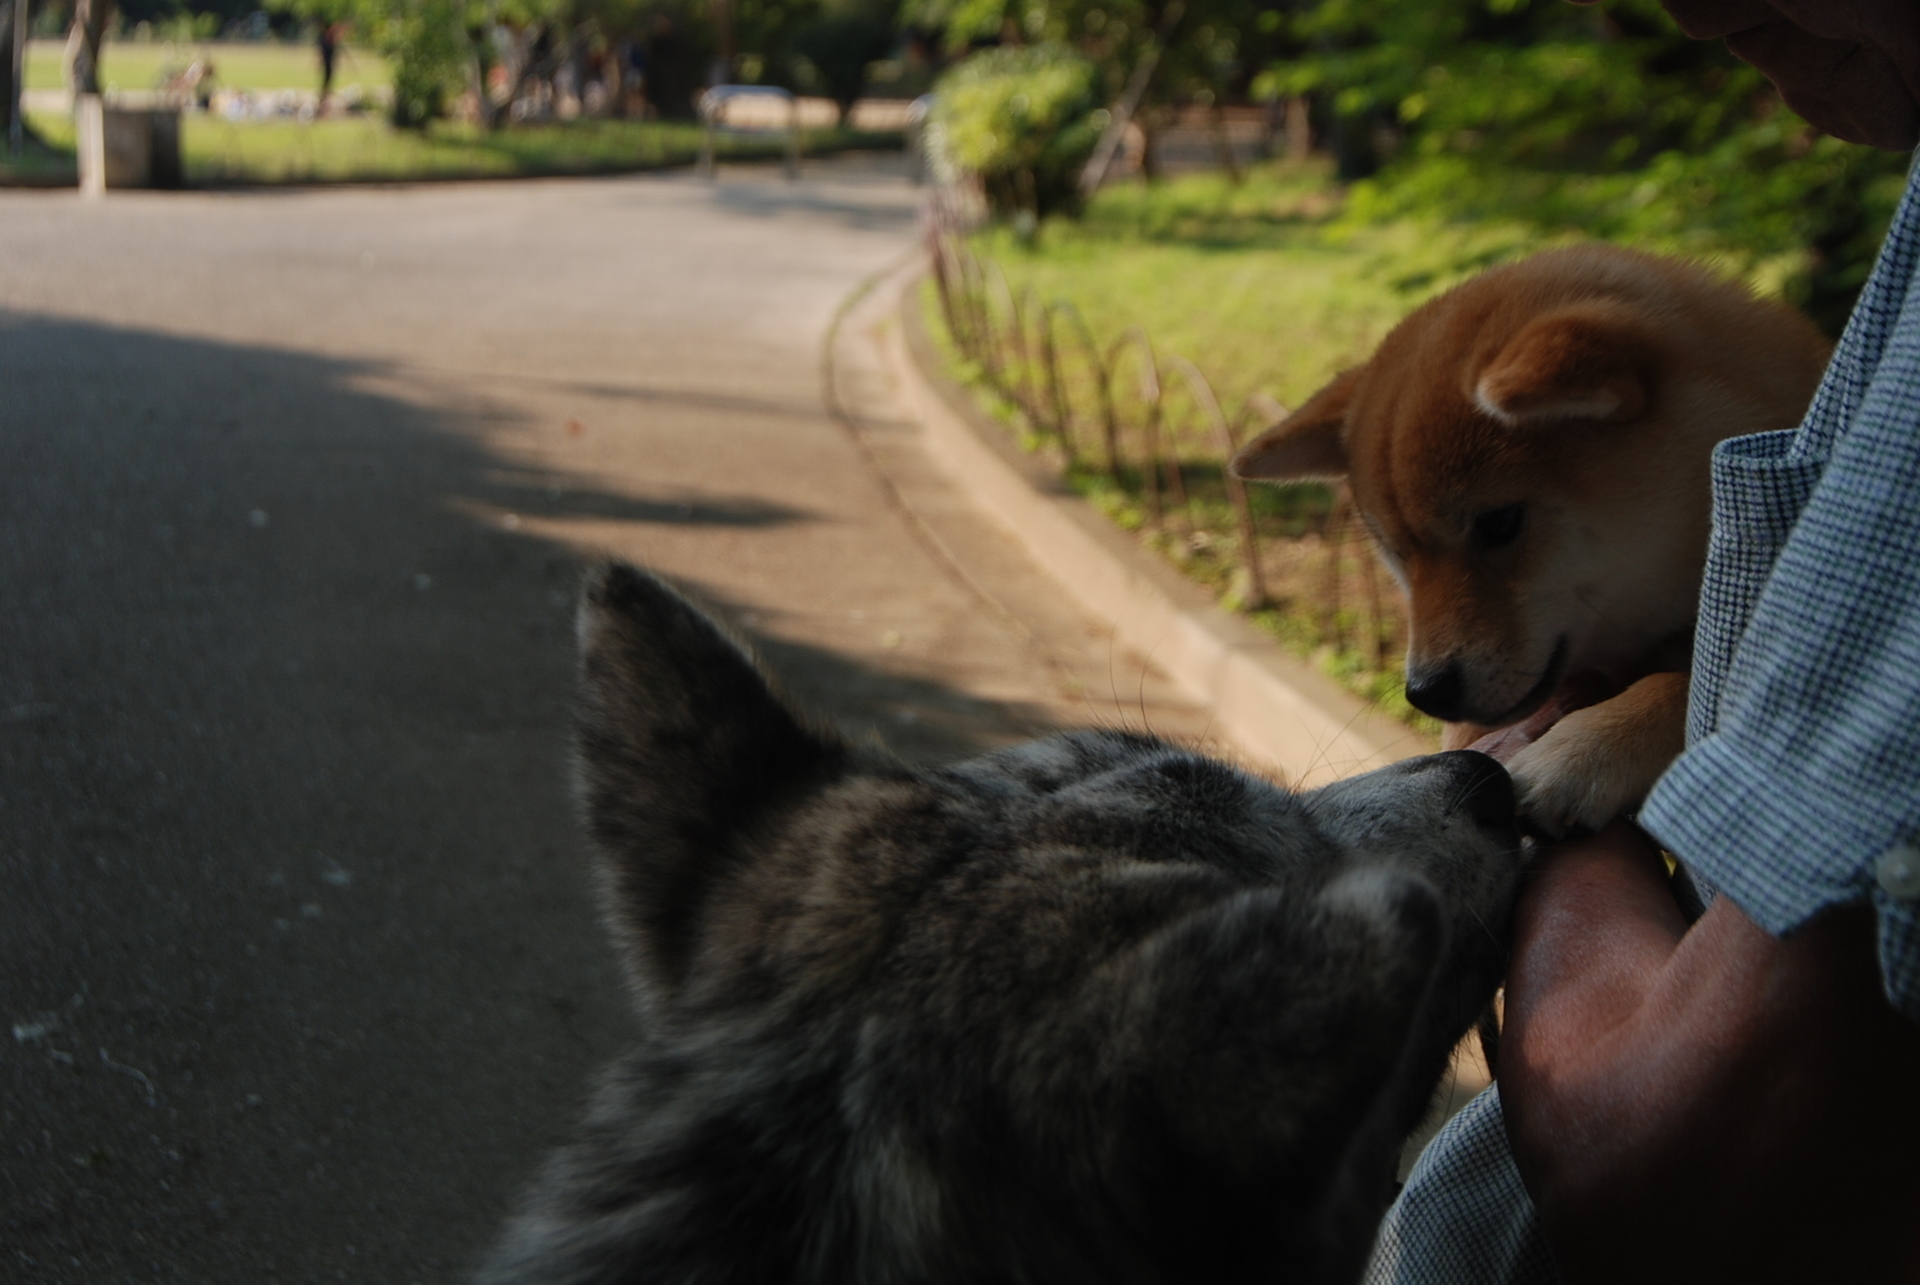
{"x": 137, "y": 65}
{"x": 367, "y": 149}
{"x": 1324, "y": 596}
{"x": 1262, "y": 285}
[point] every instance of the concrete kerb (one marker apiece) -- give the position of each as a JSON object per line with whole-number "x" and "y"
{"x": 1276, "y": 710}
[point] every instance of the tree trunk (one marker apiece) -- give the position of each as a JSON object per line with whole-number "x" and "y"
{"x": 1299, "y": 129}
{"x": 479, "y": 71}
{"x": 616, "y": 80}
{"x": 1095, "y": 172}
{"x": 1354, "y": 153}
{"x": 10, "y": 87}
{"x": 82, "y": 57}
{"x": 1223, "y": 142}
{"x": 525, "y": 58}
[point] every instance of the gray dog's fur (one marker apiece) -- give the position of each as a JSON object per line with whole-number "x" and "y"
{"x": 1091, "y": 1009}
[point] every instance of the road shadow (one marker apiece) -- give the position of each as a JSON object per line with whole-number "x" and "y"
{"x": 560, "y": 494}
{"x": 295, "y": 938}
{"x": 700, "y": 399}
{"x": 821, "y": 192}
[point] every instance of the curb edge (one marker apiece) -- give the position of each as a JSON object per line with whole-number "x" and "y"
{"x": 1273, "y": 708}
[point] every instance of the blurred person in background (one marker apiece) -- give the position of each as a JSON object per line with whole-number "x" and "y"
{"x": 329, "y": 45}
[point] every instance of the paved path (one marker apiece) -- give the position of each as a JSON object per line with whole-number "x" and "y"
{"x": 294, "y": 492}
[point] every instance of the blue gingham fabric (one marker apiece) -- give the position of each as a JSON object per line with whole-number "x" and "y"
{"x": 1802, "y": 773}
{"x": 1464, "y": 1215}
{"x": 1800, "y": 786}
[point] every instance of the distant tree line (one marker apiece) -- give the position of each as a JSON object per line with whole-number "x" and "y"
{"x": 648, "y": 55}
{"x": 1603, "y": 120}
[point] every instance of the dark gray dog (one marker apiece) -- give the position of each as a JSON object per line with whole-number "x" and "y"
{"x": 1091, "y": 1009}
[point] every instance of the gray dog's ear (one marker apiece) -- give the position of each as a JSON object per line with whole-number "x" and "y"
{"x": 683, "y": 749}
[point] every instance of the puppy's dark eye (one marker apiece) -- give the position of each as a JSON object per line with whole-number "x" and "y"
{"x": 1497, "y": 528}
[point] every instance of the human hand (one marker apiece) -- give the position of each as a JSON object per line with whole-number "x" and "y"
{"x": 1707, "y": 1103}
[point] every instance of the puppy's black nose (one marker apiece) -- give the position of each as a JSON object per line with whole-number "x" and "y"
{"x": 1437, "y": 690}
{"x": 1486, "y": 791}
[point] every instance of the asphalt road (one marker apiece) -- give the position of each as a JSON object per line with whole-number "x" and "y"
{"x": 295, "y": 489}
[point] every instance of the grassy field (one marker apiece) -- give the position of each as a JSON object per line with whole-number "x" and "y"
{"x": 219, "y": 152}
{"x": 126, "y": 64}
{"x": 1262, "y": 285}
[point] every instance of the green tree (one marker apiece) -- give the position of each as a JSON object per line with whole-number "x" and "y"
{"x": 438, "y": 48}
{"x": 1603, "y": 120}
{"x": 832, "y": 51}
{"x": 1023, "y": 120}
{"x": 423, "y": 41}
{"x": 1150, "y": 53}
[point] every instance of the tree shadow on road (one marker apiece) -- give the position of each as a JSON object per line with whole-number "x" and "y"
{"x": 761, "y": 194}
{"x": 294, "y": 930}
{"x": 555, "y": 494}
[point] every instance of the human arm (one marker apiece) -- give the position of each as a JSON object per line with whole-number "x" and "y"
{"x": 1706, "y": 1103}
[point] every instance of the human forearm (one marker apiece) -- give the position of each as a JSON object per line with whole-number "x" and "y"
{"x": 1705, "y": 1104}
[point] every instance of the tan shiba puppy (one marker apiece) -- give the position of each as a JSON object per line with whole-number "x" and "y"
{"x": 1531, "y": 453}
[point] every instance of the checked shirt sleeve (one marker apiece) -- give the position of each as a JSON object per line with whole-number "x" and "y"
{"x": 1801, "y": 786}
{"x": 1464, "y": 1217}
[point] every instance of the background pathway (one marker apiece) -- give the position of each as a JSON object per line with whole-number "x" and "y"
{"x": 294, "y": 492}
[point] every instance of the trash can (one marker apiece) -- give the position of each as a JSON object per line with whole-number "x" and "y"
{"x": 125, "y": 146}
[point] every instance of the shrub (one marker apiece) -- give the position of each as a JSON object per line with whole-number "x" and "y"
{"x": 1023, "y": 121}
{"x": 424, "y": 40}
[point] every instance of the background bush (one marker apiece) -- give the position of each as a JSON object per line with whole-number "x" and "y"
{"x": 424, "y": 41}
{"x": 1023, "y": 121}
{"x": 838, "y": 48}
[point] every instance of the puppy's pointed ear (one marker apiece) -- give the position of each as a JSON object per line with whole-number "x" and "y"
{"x": 1587, "y": 361}
{"x": 1310, "y": 443}
{"x": 683, "y": 749}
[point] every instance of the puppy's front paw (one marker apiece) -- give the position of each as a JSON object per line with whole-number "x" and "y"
{"x": 1579, "y": 776}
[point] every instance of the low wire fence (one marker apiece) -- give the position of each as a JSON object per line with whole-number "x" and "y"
{"x": 1143, "y": 435}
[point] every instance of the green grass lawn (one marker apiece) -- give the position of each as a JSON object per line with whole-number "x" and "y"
{"x": 366, "y": 149}
{"x": 1262, "y": 285}
{"x": 126, "y": 64}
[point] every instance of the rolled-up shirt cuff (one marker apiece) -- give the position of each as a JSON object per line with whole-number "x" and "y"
{"x": 1784, "y": 848}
